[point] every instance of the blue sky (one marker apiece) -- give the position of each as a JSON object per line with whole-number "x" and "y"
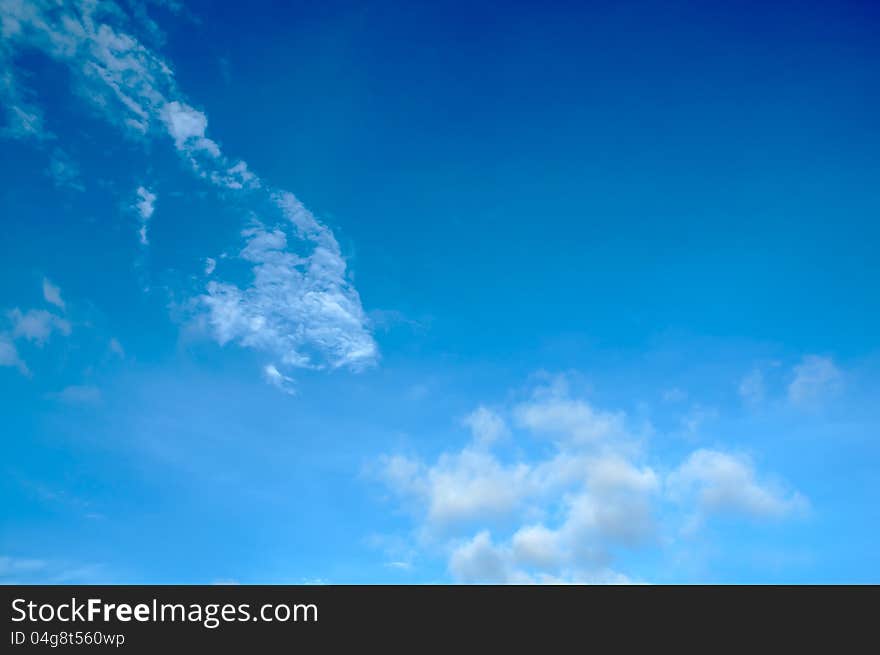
{"x": 447, "y": 292}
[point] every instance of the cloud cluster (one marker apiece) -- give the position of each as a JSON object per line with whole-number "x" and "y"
{"x": 35, "y": 326}
{"x": 563, "y": 512}
{"x": 300, "y": 308}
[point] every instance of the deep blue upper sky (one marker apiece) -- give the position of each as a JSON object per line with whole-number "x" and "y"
{"x": 656, "y": 201}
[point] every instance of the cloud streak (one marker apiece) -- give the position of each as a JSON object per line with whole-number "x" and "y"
{"x": 300, "y": 308}
{"x": 144, "y": 205}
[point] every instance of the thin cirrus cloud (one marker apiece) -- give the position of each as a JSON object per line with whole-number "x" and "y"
{"x": 563, "y": 516}
{"x": 301, "y": 309}
{"x": 816, "y": 378}
{"x": 278, "y": 380}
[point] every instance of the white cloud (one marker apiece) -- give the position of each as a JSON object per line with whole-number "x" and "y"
{"x": 533, "y": 514}
{"x": 570, "y": 420}
{"x": 144, "y": 206}
{"x": 299, "y": 308}
{"x": 184, "y": 123}
{"x": 52, "y": 294}
{"x": 537, "y": 546}
{"x": 479, "y": 560}
{"x": 460, "y": 487}
{"x": 210, "y": 265}
{"x": 274, "y": 377}
{"x": 815, "y": 379}
{"x": 34, "y": 325}
{"x": 726, "y": 483}
{"x": 485, "y": 425}
{"x": 37, "y": 325}
{"x": 9, "y": 355}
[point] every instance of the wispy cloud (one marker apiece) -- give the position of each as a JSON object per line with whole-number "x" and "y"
{"x": 724, "y": 482}
{"x": 299, "y": 308}
{"x": 37, "y": 325}
{"x": 64, "y": 171}
{"x": 278, "y": 380}
{"x": 144, "y": 205}
{"x": 816, "y": 378}
{"x": 52, "y": 294}
{"x": 27, "y": 570}
{"x": 9, "y": 355}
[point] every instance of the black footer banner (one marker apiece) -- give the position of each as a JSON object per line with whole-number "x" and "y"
{"x": 174, "y": 619}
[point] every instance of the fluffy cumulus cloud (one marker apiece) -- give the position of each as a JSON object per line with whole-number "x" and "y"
{"x": 300, "y": 308}
{"x": 724, "y": 482}
{"x": 565, "y": 513}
